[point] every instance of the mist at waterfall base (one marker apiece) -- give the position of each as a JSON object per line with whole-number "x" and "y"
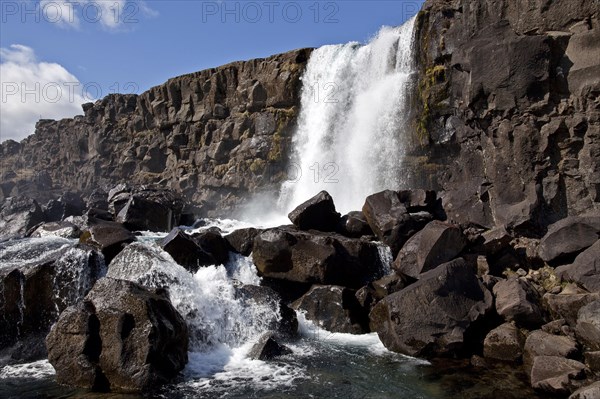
{"x": 348, "y": 142}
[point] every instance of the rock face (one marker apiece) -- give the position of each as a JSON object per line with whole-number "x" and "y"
{"x": 214, "y": 135}
{"x": 588, "y": 325}
{"x": 318, "y": 213}
{"x": 334, "y": 309}
{"x": 437, "y": 243}
{"x": 508, "y": 115}
{"x": 123, "y": 337}
{"x": 433, "y": 316}
{"x": 289, "y": 254}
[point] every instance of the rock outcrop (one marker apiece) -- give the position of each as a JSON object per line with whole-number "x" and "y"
{"x": 215, "y": 136}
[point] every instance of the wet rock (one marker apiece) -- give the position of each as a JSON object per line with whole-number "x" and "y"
{"x": 370, "y": 294}
{"x": 588, "y": 325}
{"x": 334, "y": 309}
{"x": 98, "y": 199}
{"x": 434, "y": 316}
{"x": 68, "y": 204}
{"x": 568, "y": 237}
{"x": 138, "y": 262}
{"x": 242, "y": 240}
{"x": 437, "y": 243}
{"x": 504, "y": 343}
{"x": 354, "y": 225}
{"x": 56, "y": 229}
{"x": 18, "y": 215}
{"x": 390, "y": 220}
{"x": 151, "y": 209}
{"x": 212, "y": 243}
{"x": 288, "y": 254}
{"x": 267, "y": 348}
{"x": 36, "y": 287}
{"x": 556, "y": 375}
{"x": 585, "y": 270}
{"x": 287, "y": 325}
{"x": 540, "y": 343}
{"x": 318, "y": 213}
{"x": 186, "y": 251}
{"x": 108, "y": 237}
{"x": 122, "y": 338}
{"x": 517, "y": 300}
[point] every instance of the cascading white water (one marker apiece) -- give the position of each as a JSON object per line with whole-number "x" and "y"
{"x": 354, "y": 113}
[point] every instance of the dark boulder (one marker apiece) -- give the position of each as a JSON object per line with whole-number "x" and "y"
{"x": 267, "y": 348}
{"x": 505, "y": 343}
{"x": 419, "y": 200}
{"x": 437, "y": 243}
{"x": 540, "y": 343}
{"x": 569, "y": 236}
{"x": 18, "y": 215}
{"x": 98, "y": 199}
{"x": 318, "y": 213}
{"x": 142, "y": 263}
{"x": 588, "y": 325}
{"x": 354, "y": 225}
{"x": 436, "y": 316}
{"x": 591, "y": 391}
{"x": 151, "y": 209}
{"x": 186, "y": 251}
{"x": 36, "y": 286}
{"x": 319, "y": 258}
{"x": 241, "y": 240}
{"x": 566, "y": 305}
{"x": 517, "y": 300}
{"x": 585, "y": 270}
{"x": 375, "y": 291}
{"x": 122, "y": 338}
{"x": 556, "y": 375}
{"x": 108, "y": 237}
{"x": 213, "y": 243}
{"x": 68, "y": 204}
{"x": 334, "y": 309}
{"x": 390, "y": 220}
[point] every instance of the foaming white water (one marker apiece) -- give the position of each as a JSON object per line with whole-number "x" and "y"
{"x": 354, "y": 107}
{"x": 31, "y": 251}
{"x": 39, "y": 369}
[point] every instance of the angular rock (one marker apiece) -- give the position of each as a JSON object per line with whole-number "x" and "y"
{"x": 56, "y": 229}
{"x": 241, "y": 240}
{"x": 540, "y": 343}
{"x": 556, "y": 375}
{"x": 36, "y": 286}
{"x": 588, "y": 325}
{"x": 592, "y": 360}
{"x": 213, "y": 244}
{"x": 566, "y": 305}
{"x": 186, "y": 251}
{"x": 334, "y": 309}
{"x": 568, "y": 237}
{"x": 390, "y": 220}
{"x": 18, "y": 215}
{"x": 505, "y": 342}
{"x": 151, "y": 209}
{"x": 370, "y": 294}
{"x": 585, "y": 270}
{"x": 267, "y": 348}
{"x": 496, "y": 240}
{"x": 354, "y": 225}
{"x": 318, "y": 258}
{"x": 318, "y": 213}
{"x": 108, "y": 237}
{"x": 517, "y": 300}
{"x": 434, "y": 316}
{"x": 437, "y": 243}
{"x": 68, "y": 204}
{"x": 122, "y": 338}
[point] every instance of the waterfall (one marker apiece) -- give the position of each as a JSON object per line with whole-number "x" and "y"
{"x": 353, "y": 116}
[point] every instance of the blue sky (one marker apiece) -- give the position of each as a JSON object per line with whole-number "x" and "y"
{"x": 130, "y": 46}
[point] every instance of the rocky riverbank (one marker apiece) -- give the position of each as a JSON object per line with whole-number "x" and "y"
{"x": 490, "y": 296}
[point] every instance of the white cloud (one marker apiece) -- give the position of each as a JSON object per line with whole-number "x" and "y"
{"x": 112, "y": 15}
{"x": 32, "y": 90}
